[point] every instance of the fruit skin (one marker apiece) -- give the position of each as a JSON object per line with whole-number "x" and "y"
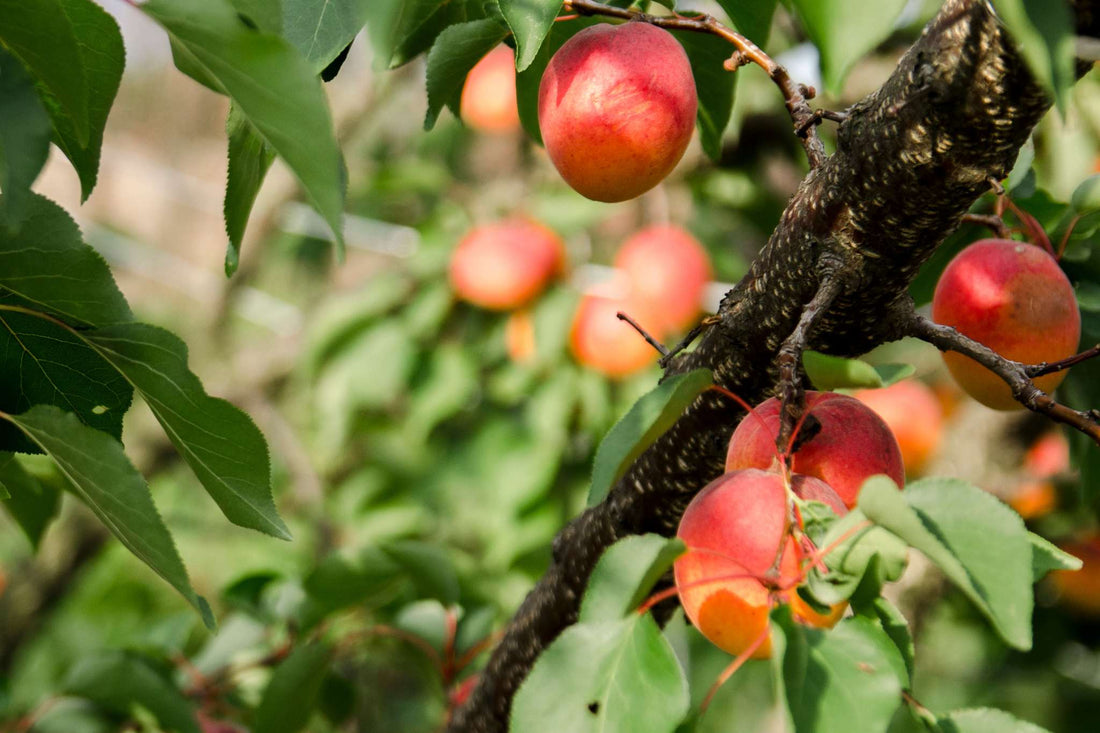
{"x": 488, "y": 101}
{"x": 913, "y": 413}
{"x": 616, "y": 109}
{"x": 505, "y": 265}
{"x": 1014, "y": 298}
{"x": 853, "y": 444}
{"x": 733, "y": 529}
{"x": 599, "y": 340}
{"x": 669, "y": 268}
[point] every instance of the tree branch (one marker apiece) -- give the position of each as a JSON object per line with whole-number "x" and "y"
{"x": 911, "y": 158}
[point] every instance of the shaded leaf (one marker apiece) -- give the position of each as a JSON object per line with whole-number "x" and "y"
{"x": 24, "y": 138}
{"x": 979, "y": 543}
{"x": 592, "y": 678}
{"x": 1044, "y": 32}
{"x": 530, "y": 21}
{"x": 120, "y": 680}
{"x": 985, "y": 720}
{"x": 291, "y": 695}
{"x": 713, "y": 84}
{"x": 752, "y": 19}
{"x": 844, "y": 30}
{"x": 31, "y": 503}
{"x": 267, "y": 15}
{"x": 220, "y": 443}
{"x": 646, "y": 421}
{"x": 836, "y": 372}
{"x": 321, "y": 30}
{"x": 625, "y": 574}
{"x": 413, "y": 27}
{"x": 429, "y": 567}
{"x": 249, "y": 159}
{"x": 103, "y": 477}
{"x": 274, "y": 88}
{"x": 457, "y": 49}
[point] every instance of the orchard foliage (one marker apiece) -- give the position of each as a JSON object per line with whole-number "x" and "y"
{"x": 452, "y": 441}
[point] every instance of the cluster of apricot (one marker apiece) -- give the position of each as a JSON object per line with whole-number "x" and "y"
{"x": 746, "y": 546}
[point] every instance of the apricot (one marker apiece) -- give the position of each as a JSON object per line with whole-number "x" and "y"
{"x": 488, "y": 101}
{"x": 914, "y": 415}
{"x": 505, "y": 265}
{"x": 600, "y": 341}
{"x": 1014, "y": 298}
{"x": 1080, "y": 589}
{"x": 668, "y": 268}
{"x": 519, "y": 337}
{"x": 616, "y": 109}
{"x": 852, "y": 445}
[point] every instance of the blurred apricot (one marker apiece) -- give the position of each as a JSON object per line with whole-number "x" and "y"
{"x": 1080, "y": 589}
{"x": 519, "y": 337}
{"x": 913, "y": 413}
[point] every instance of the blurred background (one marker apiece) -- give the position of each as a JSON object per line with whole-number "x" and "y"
{"x": 426, "y": 450}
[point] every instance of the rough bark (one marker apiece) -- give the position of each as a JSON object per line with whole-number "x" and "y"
{"x": 911, "y": 159}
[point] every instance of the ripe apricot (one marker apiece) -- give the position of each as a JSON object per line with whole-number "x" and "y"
{"x": 505, "y": 265}
{"x": 488, "y": 101}
{"x": 914, "y": 415}
{"x": 668, "y": 268}
{"x": 600, "y": 340}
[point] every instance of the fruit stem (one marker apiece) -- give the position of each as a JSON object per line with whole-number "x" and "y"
{"x": 1065, "y": 237}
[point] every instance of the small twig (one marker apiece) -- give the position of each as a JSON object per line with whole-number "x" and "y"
{"x": 790, "y": 357}
{"x": 991, "y": 221}
{"x": 1038, "y": 370}
{"x": 819, "y": 116}
{"x": 1018, "y": 376}
{"x": 645, "y": 334}
{"x": 687, "y": 340}
{"x": 795, "y": 95}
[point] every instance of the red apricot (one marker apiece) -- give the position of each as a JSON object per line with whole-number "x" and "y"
{"x": 600, "y": 340}
{"x": 505, "y": 265}
{"x": 1014, "y": 298}
{"x": 914, "y": 415}
{"x": 668, "y": 268}
{"x": 852, "y": 445}
{"x": 616, "y": 109}
{"x": 488, "y": 100}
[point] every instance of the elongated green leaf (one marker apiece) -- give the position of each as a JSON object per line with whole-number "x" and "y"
{"x": 844, "y": 30}
{"x": 321, "y": 30}
{"x": 836, "y": 372}
{"x": 31, "y": 503}
{"x": 103, "y": 56}
{"x": 47, "y": 267}
{"x": 530, "y": 21}
{"x": 1043, "y": 30}
{"x": 103, "y": 477}
{"x": 24, "y": 138}
{"x": 752, "y": 19}
{"x": 843, "y": 680}
{"x": 412, "y": 27}
{"x": 985, "y": 720}
{"x": 220, "y": 443}
{"x": 896, "y": 626}
{"x": 42, "y": 362}
{"x": 979, "y": 543}
{"x": 267, "y": 15}
{"x": 120, "y": 680}
{"x": 41, "y": 35}
{"x": 647, "y": 420}
{"x": 274, "y": 87}
{"x": 454, "y": 53}
{"x": 1046, "y": 557}
{"x": 604, "y": 676}
{"x": 291, "y": 695}
{"x": 625, "y": 574}
{"x": 249, "y": 159}
{"x": 714, "y": 86}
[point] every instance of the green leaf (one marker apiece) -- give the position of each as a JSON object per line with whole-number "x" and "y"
{"x": 985, "y": 720}
{"x": 457, "y": 49}
{"x": 413, "y": 27}
{"x": 274, "y": 88}
{"x": 870, "y": 551}
{"x": 752, "y": 19}
{"x": 714, "y": 86}
{"x": 267, "y": 15}
{"x": 1046, "y": 557}
{"x": 450, "y": 382}
{"x": 24, "y": 138}
{"x": 48, "y": 267}
{"x": 41, "y": 35}
{"x": 646, "y": 421}
{"x": 978, "y": 542}
{"x": 891, "y": 373}
{"x": 42, "y": 362}
{"x": 835, "y": 372}
{"x": 344, "y": 580}
{"x": 428, "y": 566}
{"x": 603, "y": 676}
{"x": 103, "y": 56}
{"x": 321, "y": 30}
{"x": 895, "y": 626}
{"x": 1044, "y": 32}
{"x": 530, "y": 21}
{"x": 843, "y": 680}
{"x": 249, "y": 159}
{"x": 625, "y": 574}
{"x": 291, "y": 695}
{"x": 220, "y": 443}
{"x": 529, "y": 78}
{"x": 1086, "y": 197}
{"x": 103, "y": 477}
{"x": 31, "y": 503}
{"x": 120, "y": 680}
{"x": 844, "y": 30}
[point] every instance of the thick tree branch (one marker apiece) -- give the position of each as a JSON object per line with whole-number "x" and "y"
{"x": 910, "y": 160}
